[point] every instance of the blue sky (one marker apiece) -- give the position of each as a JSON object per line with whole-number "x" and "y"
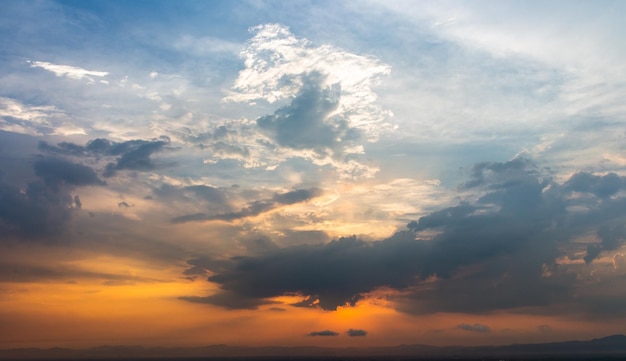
{"x": 155, "y": 146}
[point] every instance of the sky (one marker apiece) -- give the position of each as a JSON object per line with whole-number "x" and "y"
{"x": 356, "y": 173}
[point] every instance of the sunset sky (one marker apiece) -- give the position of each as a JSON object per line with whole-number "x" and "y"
{"x": 329, "y": 173}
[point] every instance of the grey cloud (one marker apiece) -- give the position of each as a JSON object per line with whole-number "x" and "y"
{"x": 228, "y": 301}
{"x": 209, "y": 194}
{"x": 602, "y": 186}
{"x": 58, "y": 171}
{"x": 207, "y": 198}
{"x": 306, "y": 123}
{"x": 63, "y": 148}
{"x": 501, "y": 175}
{"x": 334, "y": 274}
{"x": 222, "y": 142}
{"x": 611, "y": 234}
{"x": 260, "y": 245}
{"x": 38, "y": 212}
{"x": 41, "y": 209}
{"x": 477, "y": 327}
{"x": 131, "y": 155}
{"x": 297, "y": 196}
{"x": 134, "y": 156}
{"x": 499, "y": 252}
{"x": 254, "y": 208}
{"x": 220, "y": 133}
{"x": 354, "y": 332}
{"x": 325, "y": 333}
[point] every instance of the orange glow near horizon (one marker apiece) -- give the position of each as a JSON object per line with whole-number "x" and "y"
{"x": 88, "y": 313}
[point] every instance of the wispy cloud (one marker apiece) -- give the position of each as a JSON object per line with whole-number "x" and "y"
{"x": 69, "y": 71}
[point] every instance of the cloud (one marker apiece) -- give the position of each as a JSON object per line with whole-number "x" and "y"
{"x": 311, "y": 121}
{"x": 37, "y": 212}
{"x": 255, "y": 208}
{"x": 601, "y": 186}
{"x": 477, "y": 327}
{"x": 499, "y": 251}
{"x": 206, "y": 46}
{"x": 325, "y": 333}
{"x": 42, "y": 208}
{"x": 355, "y": 332}
{"x": 57, "y": 271}
{"x": 69, "y": 71}
{"x": 134, "y": 156}
{"x": 332, "y": 108}
{"x": 58, "y": 171}
{"x": 228, "y": 300}
{"x": 275, "y": 60}
{"x": 18, "y": 117}
{"x": 130, "y": 155}
{"x": 63, "y": 148}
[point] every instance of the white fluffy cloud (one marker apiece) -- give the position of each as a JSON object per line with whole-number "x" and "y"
{"x": 275, "y": 60}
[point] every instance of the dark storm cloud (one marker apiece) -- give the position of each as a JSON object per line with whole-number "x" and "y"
{"x": 41, "y": 209}
{"x": 36, "y": 212}
{"x": 473, "y": 328}
{"x": 306, "y": 123}
{"x": 498, "y": 252}
{"x": 325, "y": 333}
{"x": 58, "y": 171}
{"x": 255, "y": 208}
{"x": 335, "y": 273}
{"x": 130, "y": 155}
{"x": 353, "y": 332}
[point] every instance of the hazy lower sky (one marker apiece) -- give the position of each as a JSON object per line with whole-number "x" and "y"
{"x": 351, "y": 173}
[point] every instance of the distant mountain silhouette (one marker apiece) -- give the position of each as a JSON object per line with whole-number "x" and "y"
{"x": 613, "y": 346}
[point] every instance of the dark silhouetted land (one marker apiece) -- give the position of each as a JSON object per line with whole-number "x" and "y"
{"x": 606, "y": 348}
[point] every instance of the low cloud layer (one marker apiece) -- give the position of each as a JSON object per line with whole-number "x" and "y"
{"x": 325, "y": 333}
{"x": 499, "y": 251}
{"x": 355, "y": 332}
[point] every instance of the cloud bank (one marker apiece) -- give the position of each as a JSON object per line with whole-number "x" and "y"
{"x": 501, "y": 251}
